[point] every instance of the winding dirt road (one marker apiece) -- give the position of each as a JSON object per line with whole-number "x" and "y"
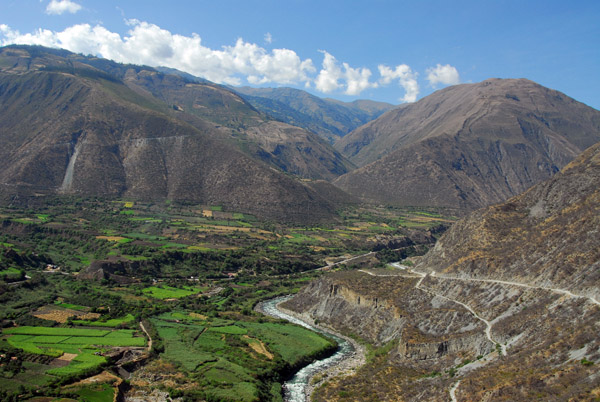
{"x": 489, "y": 324}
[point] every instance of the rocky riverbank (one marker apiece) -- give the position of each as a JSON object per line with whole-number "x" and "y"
{"x": 345, "y": 367}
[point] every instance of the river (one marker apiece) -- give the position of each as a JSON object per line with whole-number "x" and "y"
{"x": 295, "y": 389}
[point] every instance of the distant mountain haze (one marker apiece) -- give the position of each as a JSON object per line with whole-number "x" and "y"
{"x": 329, "y": 118}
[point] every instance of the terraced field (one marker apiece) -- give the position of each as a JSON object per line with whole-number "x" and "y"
{"x": 225, "y": 356}
{"x": 82, "y": 344}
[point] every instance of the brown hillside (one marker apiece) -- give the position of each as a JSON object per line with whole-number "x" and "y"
{"x": 80, "y": 131}
{"x": 547, "y": 236}
{"x": 289, "y": 148}
{"x": 469, "y": 145}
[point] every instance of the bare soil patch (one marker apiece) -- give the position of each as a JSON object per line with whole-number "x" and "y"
{"x": 61, "y": 315}
{"x": 259, "y": 347}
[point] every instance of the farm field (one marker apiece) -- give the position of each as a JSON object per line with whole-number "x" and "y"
{"x": 191, "y": 273}
{"x": 169, "y": 292}
{"x": 224, "y": 356}
{"x": 80, "y": 347}
{"x": 113, "y": 323}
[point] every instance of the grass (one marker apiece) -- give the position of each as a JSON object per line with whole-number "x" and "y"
{"x": 55, "y": 345}
{"x": 83, "y": 362}
{"x": 11, "y": 273}
{"x": 115, "y": 322}
{"x": 291, "y": 342}
{"x": 116, "y": 239}
{"x": 168, "y": 292}
{"x": 242, "y": 391}
{"x": 71, "y": 306}
{"x": 217, "y": 351}
{"x": 195, "y": 344}
{"x": 105, "y": 341}
{"x": 34, "y": 375}
{"x": 232, "y": 329}
{"x": 178, "y": 348}
{"x": 96, "y": 393}
{"x": 56, "y": 331}
{"x": 54, "y": 342}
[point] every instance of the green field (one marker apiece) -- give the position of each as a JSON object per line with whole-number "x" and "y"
{"x": 208, "y": 330}
{"x": 112, "y": 323}
{"x": 168, "y": 292}
{"x": 56, "y": 331}
{"x": 96, "y": 393}
{"x": 224, "y": 356}
{"x": 71, "y": 306}
{"x": 54, "y": 341}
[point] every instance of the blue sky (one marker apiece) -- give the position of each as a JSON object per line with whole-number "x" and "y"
{"x": 393, "y": 51}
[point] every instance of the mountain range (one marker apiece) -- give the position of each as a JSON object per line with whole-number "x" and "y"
{"x": 330, "y": 118}
{"x": 505, "y": 306}
{"x": 81, "y": 124}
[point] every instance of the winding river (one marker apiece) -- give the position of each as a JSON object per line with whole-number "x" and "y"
{"x": 295, "y": 388}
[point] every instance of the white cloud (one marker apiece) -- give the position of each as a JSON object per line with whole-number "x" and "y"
{"x": 59, "y": 7}
{"x": 237, "y": 64}
{"x": 406, "y": 78}
{"x": 148, "y": 44}
{"x": 445, "y": 75}
{"x": 328, "y": 79}
{"x": 332, "y": 77}
{"x": 268, "y": 38}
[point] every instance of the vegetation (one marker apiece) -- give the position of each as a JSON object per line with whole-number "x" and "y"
{"x": 191, "y": 274}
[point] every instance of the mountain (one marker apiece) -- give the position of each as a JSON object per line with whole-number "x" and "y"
{"x": 506, "y": 306}
{"x": 68, "y": 127}
{"x": 329, "y": 118}
{"x": 289, "y": 148}
{"x": 544, "y": 237}
{"x": 469, "y": 145}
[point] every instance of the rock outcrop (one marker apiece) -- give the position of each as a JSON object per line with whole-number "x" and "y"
{"x": 385, "y": 309}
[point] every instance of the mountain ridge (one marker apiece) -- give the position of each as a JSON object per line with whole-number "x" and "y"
{"x": 71, "y": 130}
{"x": 543, "y": 237}
{"x": 329, "y": 118}
{"x": 467, "y": 146}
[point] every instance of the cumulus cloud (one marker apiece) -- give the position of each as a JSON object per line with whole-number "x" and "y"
{"x": 268, "y": 38}
{"x": 58, "y": 7}
{"x": 445, "y": 75}
{"x": 237, "y": 64}
{"x": 333, "y": 77}
{"x": 406, "y": 78}
{"x": 149, "y": 44}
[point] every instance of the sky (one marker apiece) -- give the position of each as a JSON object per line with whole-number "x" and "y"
{"x": 393, "y": 51}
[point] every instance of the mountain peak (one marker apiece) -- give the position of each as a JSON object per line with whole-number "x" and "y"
{"x": 468, "y": 145}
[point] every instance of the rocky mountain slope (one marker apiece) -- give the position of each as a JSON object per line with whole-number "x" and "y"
{"x": 289, "y": 148}
{"x": 69, "y": 127}
{"x": 329, "y": 118}
{"x": 546, "y": 237}
{"x": 504, "y": 307}
{"x": 469, "y": 145}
